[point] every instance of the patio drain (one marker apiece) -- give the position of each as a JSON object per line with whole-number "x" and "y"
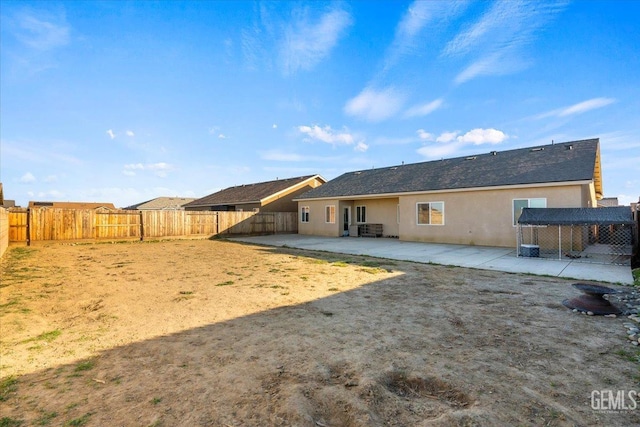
{"x": 592, "y": 300}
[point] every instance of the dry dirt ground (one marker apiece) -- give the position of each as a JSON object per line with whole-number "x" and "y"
{"x": 217, "y": 333}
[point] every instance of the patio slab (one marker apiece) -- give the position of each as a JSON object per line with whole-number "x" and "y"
{"x": 482, "y": 257}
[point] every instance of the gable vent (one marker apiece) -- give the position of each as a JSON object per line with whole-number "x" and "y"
{"x": 357, "y": 173}
{"x": 568, "y": 147}
{"x": 493, "y": 153}
{"x": 537, "y": 149}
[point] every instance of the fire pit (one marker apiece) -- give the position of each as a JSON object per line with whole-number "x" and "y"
{"x": 592, "y": 300}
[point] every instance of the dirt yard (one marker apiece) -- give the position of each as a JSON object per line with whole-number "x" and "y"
{"x": 217, "y": 333}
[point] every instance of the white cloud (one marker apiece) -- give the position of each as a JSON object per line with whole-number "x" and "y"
{"x": 579, "y": 108}
{"x": 497, "y": 40}
{"x": 51, "y": 178}
{"x": 361, "y": 147}
{"x": 128, "y": 172}
{"x": 27, "y": 178}
{"x": 447, "y": 137}
{"x": 448, "y": 143}
{"x": 375, "y": 106}
{"x": 130, "y": 133}
{"x": 585, "y": 106}
{"x": 423, "y": 109}
{"x": 275, "y": 126}
{"x": 111, "y": 134}
{"x": 483, "y": 136}
{"x": 221, "y": 136}
{"x": 42, "y": 32}
{"x": 326, "y": 134}
{"x": 423, "y": 134}
{"x": 304, "y": 44}
{"x": 418, "y": 16}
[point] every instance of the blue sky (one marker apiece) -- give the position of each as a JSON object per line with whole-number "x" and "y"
{"x": 126, "y": 101}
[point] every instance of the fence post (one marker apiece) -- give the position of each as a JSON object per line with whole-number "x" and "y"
{"x": 141, "y": 226}
{"x": 28, "y": 226}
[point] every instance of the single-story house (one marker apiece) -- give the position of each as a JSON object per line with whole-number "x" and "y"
{"x": 71, "y": 205}
{"x": 162, "y": 203}
{"x": 270, "y": 196}
{"x": 472, "y": 200}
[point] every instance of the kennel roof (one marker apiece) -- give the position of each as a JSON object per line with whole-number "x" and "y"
{"x": 576, "y": 216}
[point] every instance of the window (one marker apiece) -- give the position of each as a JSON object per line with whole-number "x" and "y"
{"x": 330, "y": 214}
{"x": 304, "y": 214}
{"x": 519, "y": 204}
{"x": 431, "y": 213}
{"x": 361, "y": 214}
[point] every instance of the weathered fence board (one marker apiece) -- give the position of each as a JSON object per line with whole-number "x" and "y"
{"x": 17, "y": 225}
{"x": 4, "y": 231}
{"x": 103, "y": 224}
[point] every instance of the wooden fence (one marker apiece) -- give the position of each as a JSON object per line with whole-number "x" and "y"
{"x": 4, "y": 231}
{"x": 27, "y": 225}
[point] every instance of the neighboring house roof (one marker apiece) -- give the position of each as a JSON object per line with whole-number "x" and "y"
{"x": 563, "y": 162}
{"x": 162, "y": 203}
{"x": 576, "y": 216}
{"x": 608, "y": 201}
{"x": 251, "y": 193}
{"x": 71, "y": 205}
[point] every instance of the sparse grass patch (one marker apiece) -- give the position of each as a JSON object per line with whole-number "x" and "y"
{"x": 636, "y": 277}
{"x": 46, "y": 418}
{"x": 340, "y": 264}
{"x": 227, "y": 283}
{"x": 10, "y": 422}
{"x": 45, "y": 336}
{"x": 373, "y": 270}
{"x": 333, "y": 289}
{"x": 87, "y": 365}
{"x": 7, "y": 386}
{"x": 156, "y": 400}
{"x": 83, "y": 420}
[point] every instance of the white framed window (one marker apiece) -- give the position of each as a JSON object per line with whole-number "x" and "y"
{"x": 330, "y": 214}
{"x": 430, "y": 213}
{"x": 519, "y": 204}
{"x": 304, "y": 214}
{"x": 361, "y": 214}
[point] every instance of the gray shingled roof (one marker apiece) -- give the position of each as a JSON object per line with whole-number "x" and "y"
{"x": 248, "y": 193}
{"x": 564, "y": 162}
{"x": 577, "y": 216}
{"x": 163, "y": 203}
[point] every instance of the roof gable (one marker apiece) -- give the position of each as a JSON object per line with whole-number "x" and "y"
{"x": 564, "y": 162}
{"x": 163, "y": 203}
{"x": 251, "y": 193}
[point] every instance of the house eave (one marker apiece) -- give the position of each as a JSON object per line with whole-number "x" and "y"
{"x": 455, "y": 190}
{"x": 288, "y": 189}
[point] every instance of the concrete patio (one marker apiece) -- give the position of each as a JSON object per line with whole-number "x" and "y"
{"x": 486, "y": 258}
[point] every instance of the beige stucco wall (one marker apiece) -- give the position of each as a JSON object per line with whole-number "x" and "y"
{"x": 317, "y": 225}
{"x": 378, "y": 211}
{"x": 480, "y": 217}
